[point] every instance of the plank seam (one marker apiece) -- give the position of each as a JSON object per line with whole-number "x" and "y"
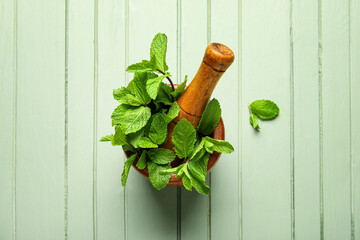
{"x": 320, "y": 120}
{"x": 95, "y": 119}
{"x": 15, "y": 67}
{"x": 292, "y": 124}
{"x": 66, "y": 159}
{"x": 208, "y": 16}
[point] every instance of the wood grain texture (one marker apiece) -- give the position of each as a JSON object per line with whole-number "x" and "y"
{"x": 7, "y": 119}
{"x": 112, "y": 57}
{"x": 336, "y": 119}
{"x": 306, "y": 120}
{"x": 224, "y": 177}
{"x": 355, "y": 114}
{"x": 80, "y": 119}
{"x": 266, "y": 155}
{"x": 40, "y": 120}
{"x": 144, "y": 202}
{"x": 194, "y": 206}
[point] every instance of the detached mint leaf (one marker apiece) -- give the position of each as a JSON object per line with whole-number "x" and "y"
{"x": 210, "y": 118}
{"x": 141, "y": 164}
{"x": 173, "y": 112}
{"x": 158, "y": 129}
{"x": 158, "y": 52}
{"x": 119, "y": 137}
{"x": 145, "y": 142}
{"x": 184, "y": 137}
{"x": 254, "y": 122}
{"x": 161, "y": 155}
{"x": 119, "y": 112}
{"x": 135, "y": 119}
{"x": 220, "y": 146}
{"x": 126, "y": 170}
{"x": 264, "y": 109}
{"x": 164, "y": 95}
{"x": 180, "y": 89}
{"x": 144, "y": 66}
{"x": 153, "y": 85}
{"x": 157, "y": 180}
{"x": 106, "y": 138}
{"x": 139, "y": 87}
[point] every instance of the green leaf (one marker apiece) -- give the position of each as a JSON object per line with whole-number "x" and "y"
{"x": 184, "y": 137}
{"x": 210, "y": 118}
{"x": 135, "y": 119}
{"x": 170, "y": 171}
{"x": 153, "y": 85}
{"x": 133, "y": 138}
{"x": 106, "y": 138}
{"x": 187, "y": 182}
{"x": 124, "y": 95}
{"x": 158, "y": 129}
{"x": 139, "y": 87}
{"x": 126, "y": 170}
{"x": 128, "y": 147}
{"x": 254, "y": 122}
{"x": 144, "y": 66}
{"x": 264, "y": 109}
{"x": 119, "y": 112}
{"x": 119, "y": 137}
{"x": 161, "y": 155}
{"x": 173, "y": 112}
{"x": 141, "y": 164}
{"x": 145, "y": 142}
{"x": 164, "y": 95}
{"x": 157, "y": 180}
{"x": 158, "y": 52}
{"x": 199, "y": 151}
{"x": 181, "y": 170}
{"x": 220, "y": 146}
{"x": 200, "y": 186}
{"x": 180, "y": 89}
{"x": 198, "y": 169}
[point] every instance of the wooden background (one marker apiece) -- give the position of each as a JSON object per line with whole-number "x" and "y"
{"x": 298, "y": 178}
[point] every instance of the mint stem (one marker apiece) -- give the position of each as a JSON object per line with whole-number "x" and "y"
{"x": 168, "y": 78}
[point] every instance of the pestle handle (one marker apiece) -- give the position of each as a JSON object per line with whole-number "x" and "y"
{"x": 193, "y": 101}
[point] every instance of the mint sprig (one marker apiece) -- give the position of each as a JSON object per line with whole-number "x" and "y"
{"x": 263, "y": 109}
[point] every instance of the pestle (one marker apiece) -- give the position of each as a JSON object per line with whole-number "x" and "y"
{"x": 193, "y": 101}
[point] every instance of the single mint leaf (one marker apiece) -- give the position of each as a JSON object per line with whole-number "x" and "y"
{"x": 180, "y": 89}
{"x": 210, "y": 118}
{"x": 133, "y": 138}
{"x": 119, "y": 112}
{"x": 126, "y": 170}
{"x": 127, "y": 148}
{"x": 170, "y": 171}
{"x": 158, "y": 52}
{"x": 187, "y": 182}
{"x": 124, "y": 95}
{"x": 264, "y": 109}
{"x": 120, "y": 93}
{"x": 220, "y": 146}
{"x": 135, "y": 119}
{"x": 145, "y": 142}
{"x": 141, "y": 164}
{"x": 161, "y": 155}
{"x": 164, "y": 95}
{"x": 173, "y": 112}
{"x": 144, "y": 66}
{"x": 200, "y": 186}
{"x": 158, "y": 129}
{"x": 157, "y": 180}
{"x": 198, "y": 169}
{"x": 139, "y": 87}
{"x": 254, "y": 122}
{"x": 119, "y": 137}
{"x": 153, "y": 85}
{"x": 106, "y": 138}
{"x": 199, "y": 151}
{"x": 184, "y": 137}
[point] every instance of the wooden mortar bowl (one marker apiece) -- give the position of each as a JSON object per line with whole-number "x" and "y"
{"x": 219, "y": 133}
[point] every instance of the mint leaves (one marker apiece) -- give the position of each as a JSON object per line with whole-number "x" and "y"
{"x": 263, "y": 109}
{"x": 147, "y": 107}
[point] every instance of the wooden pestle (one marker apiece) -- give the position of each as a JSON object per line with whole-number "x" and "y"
{"x": 193, "y": 101}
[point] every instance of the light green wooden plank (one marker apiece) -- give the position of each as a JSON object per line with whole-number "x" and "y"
{"x": 306, "y": 119}
{"x": 40, "y": 120}
{"x": 266, "y": 202}
{"x": 194, "y": 206}
{"x": 7, "y": 112}
{"x": 224, "y": 177}
{"x": 336, "y": 119}
{"x": 355, "y": 113}
{"x": 80, "y": 119}
{"x": 110, "y": 197}
{"x": 147, "y": 208}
